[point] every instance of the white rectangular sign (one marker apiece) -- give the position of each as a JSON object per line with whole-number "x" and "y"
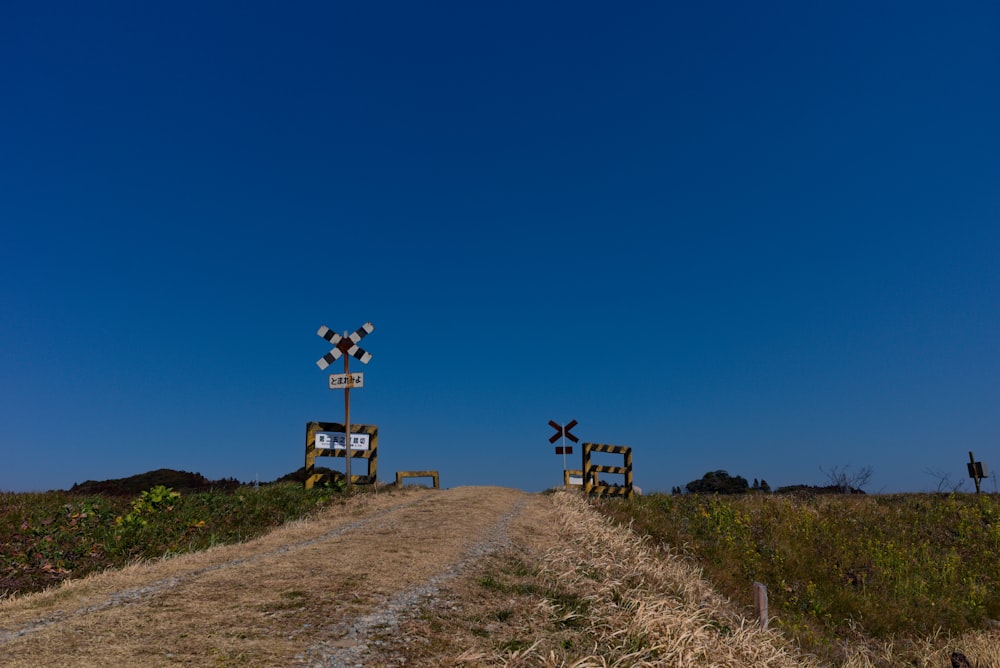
{"x": 333, "y": 440}
{"x": 340, "y": 381}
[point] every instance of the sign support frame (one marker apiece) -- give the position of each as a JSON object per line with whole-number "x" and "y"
{"x": 563, "y": 431}
{"x": 347, "y": 421}
{"x": 977, "y": 471}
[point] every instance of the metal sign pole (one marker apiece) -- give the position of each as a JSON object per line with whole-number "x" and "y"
{"x": 347, "y": 419}
{"x": 564, "y": 448}
{"x": 564, "y": 433}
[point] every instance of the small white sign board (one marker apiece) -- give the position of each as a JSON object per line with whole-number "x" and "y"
{"x": 333, "y": 440}
{"x": 342, "y": 381}
{"x": 576, "y": 480}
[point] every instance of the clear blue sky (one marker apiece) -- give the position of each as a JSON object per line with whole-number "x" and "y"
{"x": 760, "y": 238}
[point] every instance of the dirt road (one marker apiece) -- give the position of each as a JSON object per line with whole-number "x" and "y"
{"x": 467, "y": 576}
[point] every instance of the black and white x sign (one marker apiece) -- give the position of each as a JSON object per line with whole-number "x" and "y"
{"x": 343, "y": 345}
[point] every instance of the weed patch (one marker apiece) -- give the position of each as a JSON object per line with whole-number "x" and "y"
{"x": 840, "y": 567}
{"x": 53, "y": 536}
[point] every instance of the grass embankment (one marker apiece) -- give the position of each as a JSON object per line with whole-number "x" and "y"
{"x": 841, "y": 569}
{"x": 579, "y": 592}
{"x": 52, "y": 536}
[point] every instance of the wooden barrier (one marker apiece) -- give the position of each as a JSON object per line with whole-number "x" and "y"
{"x": 418, "y": 474}
{"x": 370, "y": 455}
{"x": 590, "y": 471}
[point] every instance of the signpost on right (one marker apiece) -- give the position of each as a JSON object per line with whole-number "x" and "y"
{"x": 977, "y": 470}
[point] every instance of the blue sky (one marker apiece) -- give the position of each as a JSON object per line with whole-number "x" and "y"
{"x": 759, "y": 239}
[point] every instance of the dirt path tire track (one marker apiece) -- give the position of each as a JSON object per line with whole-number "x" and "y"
{"x": 304, "y": 594}
{"x": 574, "y": 590}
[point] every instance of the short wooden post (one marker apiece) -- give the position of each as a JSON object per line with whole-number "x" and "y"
{"x": 760, "y": 603}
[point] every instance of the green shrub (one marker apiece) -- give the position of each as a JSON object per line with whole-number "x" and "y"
{"x": 49, "y": 537}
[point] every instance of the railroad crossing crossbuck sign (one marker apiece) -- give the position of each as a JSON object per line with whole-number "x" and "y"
{"x": 343, "y": 345}
{"x": 563, "y": 432}
{"x": 346, "y": 344}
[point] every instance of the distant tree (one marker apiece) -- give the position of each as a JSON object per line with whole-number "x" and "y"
{"x": 944, "y": 482}
{"x": 846, "y": 481}
{"x": 764, "y": 487}
{"x": 718, "y": 482}
{"x": 181, "y": 481}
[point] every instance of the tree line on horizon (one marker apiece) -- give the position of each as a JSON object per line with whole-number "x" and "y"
{"x": 721, "y": 482}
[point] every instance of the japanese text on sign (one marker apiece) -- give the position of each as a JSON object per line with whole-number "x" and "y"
{"x": 326, "y": 440}
{"x": 340, "y": 381}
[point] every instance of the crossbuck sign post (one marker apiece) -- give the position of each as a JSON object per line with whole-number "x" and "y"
{"x": 563, "y": 432}
{"x": 346, "y": 346}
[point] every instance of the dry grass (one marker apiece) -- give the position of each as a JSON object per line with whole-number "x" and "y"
{"x": 576, "y": 591}
{"x": 981, "y": 648}
{"x": 571, "y": 589}
{"x": 263, "y": 603}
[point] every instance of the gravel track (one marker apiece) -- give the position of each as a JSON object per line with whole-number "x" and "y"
{"x": 350, "y": 652}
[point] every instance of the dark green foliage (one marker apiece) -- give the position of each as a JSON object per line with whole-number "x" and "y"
{"x": 718, "y": 482}
{"x": 49, "y": 537}
{"x": 300, "y": 475}
{"x": 181, "y": 481}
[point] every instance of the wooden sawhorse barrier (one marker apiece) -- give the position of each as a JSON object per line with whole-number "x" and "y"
{"x": 418, "y": 474}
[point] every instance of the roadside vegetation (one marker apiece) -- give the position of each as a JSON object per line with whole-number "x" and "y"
{"x": 852, "y": 579}
{"x": 52, "y": 536}
{"x": 840, "y": 570}
{"x": 573, "y": 590}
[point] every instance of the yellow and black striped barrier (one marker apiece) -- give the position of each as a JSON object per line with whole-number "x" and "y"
{"x": 318, "y": 445}
{"x": 591, "y": 485}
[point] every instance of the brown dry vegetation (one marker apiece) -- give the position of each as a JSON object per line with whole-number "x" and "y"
{"x": 574, "y": 590}
{"x": 463, "y": 577}
{"x": 374, "y": 581}
{"x": 262, "y": 603}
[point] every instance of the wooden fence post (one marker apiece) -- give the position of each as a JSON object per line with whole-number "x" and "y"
{"x": 760, "y": 603}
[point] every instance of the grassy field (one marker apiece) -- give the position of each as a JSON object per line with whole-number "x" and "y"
{"x": 897, "y": 574}
{"x": 51, "y": 536}
{"x": 840, "y": 569}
